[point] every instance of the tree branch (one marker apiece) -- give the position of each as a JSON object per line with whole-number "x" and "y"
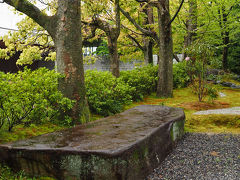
{"x": 135, "y": 40}
{"x": 134, "y": 32}
{"x": 33, "y": 12}
{"x": 117, "y": 17}
{"x": 144, "y": 31}
{"x": 175, "y": 15}
{"x": 90, "y": 36}
{"x": 141, "y": 1}
{"x": 176, "y": 57}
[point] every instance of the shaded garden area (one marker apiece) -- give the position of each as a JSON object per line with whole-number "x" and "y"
{"x": 197, "y": 68}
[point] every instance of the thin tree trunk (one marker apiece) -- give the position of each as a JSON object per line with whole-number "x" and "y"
{"x": 191, "y": 25}
{"x": 148, "y": 51}
{"x": 225, "y": 53}
{"x": 225, "y": 35}
{"x": 165, "y": 77}
{"x": 69, "y": 61}
{"x": 112, "y": 32}
{"x": 113, "y": 55}
{"x": 147, "y": 41}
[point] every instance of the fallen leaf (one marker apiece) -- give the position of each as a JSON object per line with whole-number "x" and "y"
{"x": 214, "y": 153}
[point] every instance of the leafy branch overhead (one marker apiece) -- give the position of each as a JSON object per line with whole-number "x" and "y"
{"x": 24, "y": 6}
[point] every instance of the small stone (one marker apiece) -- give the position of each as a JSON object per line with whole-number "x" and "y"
{"x": 222, "y": 94}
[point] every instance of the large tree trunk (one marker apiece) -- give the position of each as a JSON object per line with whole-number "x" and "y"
{"x": 68, "y": 42}
{"x": 65, "y": 29}
{"x": 113, "y": 55}
{"x": 165, "y": 76}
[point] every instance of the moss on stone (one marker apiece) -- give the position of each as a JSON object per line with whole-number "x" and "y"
{"x": 177, "y": 130}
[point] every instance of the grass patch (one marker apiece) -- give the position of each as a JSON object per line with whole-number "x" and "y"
{"x": 20, "y": 132}
{"x": 7, "y": 174}
{"x": 213, "y": 123}
{"x": 184, "y": 98}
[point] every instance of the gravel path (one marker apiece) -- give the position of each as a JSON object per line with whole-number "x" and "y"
{"x": 234, "y": 110}
{"x": 202, "y": 157}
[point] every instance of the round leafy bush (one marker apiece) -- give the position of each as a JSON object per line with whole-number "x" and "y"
{"x": 106, "y": 94}
{"x": 180, "y": 75}
{"x": 30, "y": 97}
{"x": 143, "y": 80}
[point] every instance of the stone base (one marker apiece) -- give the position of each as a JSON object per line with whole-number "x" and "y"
{"x": 128, "y": 145}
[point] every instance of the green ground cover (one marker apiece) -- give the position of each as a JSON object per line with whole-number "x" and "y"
{"x": 183, "y": 98}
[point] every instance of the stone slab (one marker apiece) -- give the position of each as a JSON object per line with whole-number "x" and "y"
{"x": 128, "y": 145}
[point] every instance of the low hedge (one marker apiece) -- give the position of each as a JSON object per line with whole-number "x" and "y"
{"x": 106, "y": 94}
{"x": 32, "y": 96}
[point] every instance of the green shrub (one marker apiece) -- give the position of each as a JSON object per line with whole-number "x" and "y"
{"x": 143, "y": 80}
{"x": 30, "y": 97}
{"x": 106, "y": 94}
{"x": 181, "y": 78}
{"x": 212, "y": 92}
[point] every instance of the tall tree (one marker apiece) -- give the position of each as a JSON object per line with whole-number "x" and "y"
{"x": 148, "y": 42}
{"x": 223, "y": 15}
{"x": 164, "y": 42}
{"x": 223, "y": 20}
{"x": 133, "y": 43}
{"x": 111, "y": 27}
{"x": 65, "y": 30}
{"x": 191, "y": 23}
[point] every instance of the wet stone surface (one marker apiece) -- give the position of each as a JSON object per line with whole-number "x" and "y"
{"x": 125, "y": 146}
{"x": 106, "y": 134}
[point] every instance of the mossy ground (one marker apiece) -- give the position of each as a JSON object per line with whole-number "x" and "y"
{"x": 184, "y": 98}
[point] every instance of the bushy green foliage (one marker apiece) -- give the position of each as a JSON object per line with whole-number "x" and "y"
{"x": 106, "y": 94}
{"x": 7, "y": 174}
{"x": 143, "y": 79}
{"x": 181, "y": 78}
{"x": 30, "y": 97}
{"x": 102, "y": 50}
{"x": 200, "y": 54}
{"x": 212, "y": 93}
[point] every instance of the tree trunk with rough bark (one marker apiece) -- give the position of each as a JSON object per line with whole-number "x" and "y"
{"x": 164, "y": 42}
{"x": 225, "y": 37}
{"x": 147, "y": 41}
{"x": 225, "y": 51}
{"x": 112, "y": 32}
{"x": 113, "y": 56}
{"x": 65, "y": 29}
{"x": 69, "y": 61}
{"x": 165, "y": 75}
{"x": 148, "y": 50}
{"x": 191, "y": 25}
